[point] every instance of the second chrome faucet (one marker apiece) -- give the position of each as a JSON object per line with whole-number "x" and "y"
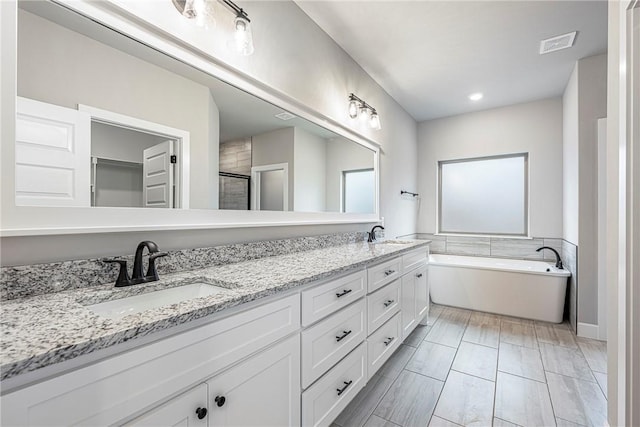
{"x": 138, "y": 276}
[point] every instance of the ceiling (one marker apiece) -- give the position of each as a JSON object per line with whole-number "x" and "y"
{"x": 430, "y": 55}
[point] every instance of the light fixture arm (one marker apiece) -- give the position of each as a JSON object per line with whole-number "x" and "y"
{"x": 353, "y": 97}
{"x": 237, "y": 9}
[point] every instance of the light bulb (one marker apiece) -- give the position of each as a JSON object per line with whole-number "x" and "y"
{"x": 243, "y": 37}
{"x": 197, "y": 10}
{"x": 189, "y": 10}
{"x": 353, "y": 109}
{"x": 374, "y": 121}
{"x": 363, "y": 113}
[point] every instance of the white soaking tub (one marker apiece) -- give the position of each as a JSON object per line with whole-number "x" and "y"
{"x": 520, "y": 288}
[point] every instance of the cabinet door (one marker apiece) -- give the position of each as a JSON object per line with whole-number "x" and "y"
{"x": 408, "y": 306}
{"x": 188, "y": 409}
{"x": 422, "y": 292}
{"x": 261, "y": 391}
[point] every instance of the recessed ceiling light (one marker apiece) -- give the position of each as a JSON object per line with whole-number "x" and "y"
{"x": 476, "y": 96}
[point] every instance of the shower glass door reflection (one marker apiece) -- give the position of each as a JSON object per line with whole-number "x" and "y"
{"x": 234, "y": 191}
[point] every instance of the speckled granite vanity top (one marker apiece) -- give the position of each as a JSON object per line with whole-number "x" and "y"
{"x": 46, "y": 329}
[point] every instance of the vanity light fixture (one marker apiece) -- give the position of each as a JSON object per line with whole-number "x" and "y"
{"x": 200, "y": 12}
{"x": 243, "y": 38}
{"x": 359, "y": 108}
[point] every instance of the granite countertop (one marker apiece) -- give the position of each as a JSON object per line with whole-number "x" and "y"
{"x": 46, "y": 329}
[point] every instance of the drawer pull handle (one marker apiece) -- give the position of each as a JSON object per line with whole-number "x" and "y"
{"x": 389, "y": 272}
{"x": 388, "y": 303}
{"x": 201, "y": 413}
{"x": 343, "y": 293}
{"x": 220, "y": 400}
{"x": 419, "y": 275}
{"x": 346, "y": 386}
{"x": 344, "y": 334}
{"x": 388, "y": 341}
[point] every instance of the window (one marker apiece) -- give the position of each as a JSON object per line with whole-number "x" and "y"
{"x": 487, "y": 195}
{"x": 358, "y": 191}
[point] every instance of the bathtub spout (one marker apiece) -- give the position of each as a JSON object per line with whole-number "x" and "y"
{"x": 558, "y": 259}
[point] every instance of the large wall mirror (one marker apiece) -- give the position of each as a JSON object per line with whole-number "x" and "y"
{"x": 106, "y": 121}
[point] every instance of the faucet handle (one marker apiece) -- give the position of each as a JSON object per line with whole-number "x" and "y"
{"x": 123, "y": 275}
{"x": 152, "y": 273}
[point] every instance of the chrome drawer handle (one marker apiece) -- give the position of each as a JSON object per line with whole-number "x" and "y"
{"x": 419, "y": 275}
{"x": 344, "y": 334}
{"x": 388, "y": 303}
{"x": 346, "y": 386}
{"x": 343, "y": 293}
{"x": 389, "y": 272}
{"x": 389, "y": 340}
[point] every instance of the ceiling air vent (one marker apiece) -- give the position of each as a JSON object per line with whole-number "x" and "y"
{"x": 285, "y": 116}
{"x": 557, "y": 43}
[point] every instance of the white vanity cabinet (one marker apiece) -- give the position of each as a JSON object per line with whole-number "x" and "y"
{"x": 415, "y": 290}
{"x": 297, "y": 359}
{"x": 187, "y": 410}
{"x": 128, "y": 385}
{"x": 262, "y": 391}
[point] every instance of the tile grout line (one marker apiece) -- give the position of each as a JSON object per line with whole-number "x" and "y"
{"x": 448, "y": 372}
{"x": 495, "y": 386}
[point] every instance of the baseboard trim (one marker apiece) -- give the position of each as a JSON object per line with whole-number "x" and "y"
{"x": 588, "y": 330}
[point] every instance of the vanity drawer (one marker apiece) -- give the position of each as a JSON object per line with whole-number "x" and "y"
{"x": 324, "y": 401}
{"x": 381, "y": 274}
{"x": 324, "y": 299}
{"x": 382, "y": 305}
{"x": 382, "y": 343}
{"x": 324, "y": 344}
{"x": 414, "y": 260}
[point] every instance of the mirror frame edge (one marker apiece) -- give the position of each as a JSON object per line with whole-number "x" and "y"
{"x": 33, "y": 221}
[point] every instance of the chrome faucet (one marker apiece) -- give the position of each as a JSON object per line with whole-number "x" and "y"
{"x": 372, "y": 233}
{"x": 138, "y": 277}
{"x": 558, "y": 259}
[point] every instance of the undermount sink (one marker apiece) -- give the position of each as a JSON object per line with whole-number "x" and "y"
{"x": 119, "y": 308}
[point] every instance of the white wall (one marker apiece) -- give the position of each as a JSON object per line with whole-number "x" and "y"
{"x": 275, "y": 147}
{"x": 80, "y": 70}
{"x": 343, "y": 156}
{"x": 534, "y": 127}
{"x": 309, "y": 183}
{"x": 584, "y": 101}
{"x": 570, "y": 146}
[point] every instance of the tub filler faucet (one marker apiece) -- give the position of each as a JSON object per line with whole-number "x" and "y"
{"x": 558, "y": 259}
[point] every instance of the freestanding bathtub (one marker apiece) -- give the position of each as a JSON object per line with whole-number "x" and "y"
{"x": 520, "y": 288}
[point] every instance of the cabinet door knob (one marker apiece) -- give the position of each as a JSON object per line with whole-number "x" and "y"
{"x": 220, "y": 400}
{"x": 388, "y": 303}
{"x": 344, "y": 334}
{"x": 419, "y": 275}
{"x": 201, "y": 413}
{"x": 343, "y": 293}
{"x": 389, "y": 272}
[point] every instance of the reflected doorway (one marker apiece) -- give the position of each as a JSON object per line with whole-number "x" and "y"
{"x": 271, "y": 187}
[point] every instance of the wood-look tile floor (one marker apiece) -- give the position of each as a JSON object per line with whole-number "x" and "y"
{"x": 465, "y": 368}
